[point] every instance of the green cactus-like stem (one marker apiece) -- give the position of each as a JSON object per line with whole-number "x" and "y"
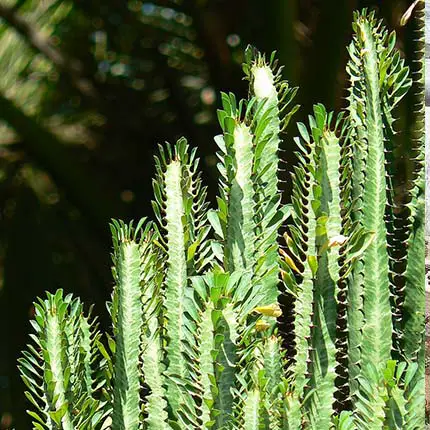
{"x": 127, "y": 378}
{"x": 240, "y": 228}
{"x": 176, "y": 283}
{"x": 377, "y": 328}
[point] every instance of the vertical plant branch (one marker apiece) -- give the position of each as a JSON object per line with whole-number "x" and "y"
{"x": 274, "y": 372}
{"x": 226, "y": 369}
{"x": 127, "y": 332}
{"x": 377, "y": 328}
{"x": 57, "y": 366}
{"x": 327, "y": 209}
{"x": 264, "y": 89}
{"x": 355, "y": 149}
{"x": 240, "y": 230}
{"x": 267, "y": 90}
{"x": 153, "y": 353}
{"x": 176, "y": 282}
{"x": 302, "y": 266}
{"x": 377, "y": 325}
{"x": 413, "y": 326}
{"x": 180, "y": 207}
{"x": 207, "y": 363}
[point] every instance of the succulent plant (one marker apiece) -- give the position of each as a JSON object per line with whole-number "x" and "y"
{"x": 218, "y": 321}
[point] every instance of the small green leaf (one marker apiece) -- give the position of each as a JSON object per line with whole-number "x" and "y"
{"x": 36, "y": 417}
{"x": 304, "y": 132}
{"x": 313, "y": 264}
{"x": 175, "y": 425}
{"x": 214, "y": 221}
{"x": 59, "y": 413}
{"x": 321, "y": 228}
{"x": 111, "y": 343}
{"x": 357, "y": 249}
{"x": 289, "y": 261}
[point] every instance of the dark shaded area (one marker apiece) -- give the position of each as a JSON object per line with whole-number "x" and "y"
{"x": 109, "y": 81}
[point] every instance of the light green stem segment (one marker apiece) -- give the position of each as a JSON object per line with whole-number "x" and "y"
{"x": 207, "y": 370}
{"x": 323, "y": 355}
{"x": 355, "y": 284}
{"x": 126, "y": 397}
{"x": 415, "y": 297}
{"x": 377, "y": 327}
{"x": 251, "y": 410}
{"x": 73, "y": 340}
{"x": 152, "y": 355}
{"x": 241, "y": 224}
{"x": 304, "y": 310}
{"x": 176, "y": 283}
{"x": 226, "y": 368}
{"x": 415, "y": 394}
{"x": 414, "y": 305}
{"x": 304, "y": 302}
{"x": 54, "y": 348}
{"x": 292, "y": 412}
{"x": 86, "y": 355}
{"x": 370, "y": 404}
{"x": 267, "y": 195}
{"x": 274, "y": 372}
{"x": 156, "y": 403}
{"x": 355, "y": 325}
{"x": 272, "y": 365}
{"x": 251, "y": 402}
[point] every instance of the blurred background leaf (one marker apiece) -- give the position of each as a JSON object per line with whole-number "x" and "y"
{"x": 88, "y": 88}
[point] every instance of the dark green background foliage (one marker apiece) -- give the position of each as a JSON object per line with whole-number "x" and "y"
{"x": 87, "y": 90}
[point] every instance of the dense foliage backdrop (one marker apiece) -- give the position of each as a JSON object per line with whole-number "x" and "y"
{"x": 87, "y": 90}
